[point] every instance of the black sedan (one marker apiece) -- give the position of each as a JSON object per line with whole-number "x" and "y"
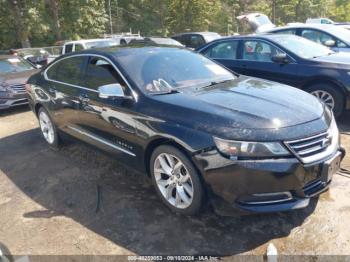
{"x": 290, "y": 60}
{"x": 199, "y": 131}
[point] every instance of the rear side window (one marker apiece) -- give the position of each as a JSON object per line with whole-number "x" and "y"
{"x": 78, "y": 47}
{"x": 196, "y": 41}
{"x": 223, "y": 50}
{"x": 100, "y": 72}
{"x": 68, "y": 70}
{"x": 69, "y": 48}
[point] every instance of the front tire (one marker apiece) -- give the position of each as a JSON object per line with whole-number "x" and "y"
{"x": 329, "y": 95}
{"x": 176, "y": 180}
{"x": 48, "y": 128}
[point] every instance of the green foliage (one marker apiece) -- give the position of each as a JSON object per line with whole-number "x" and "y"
{"x": 43, "y": 22}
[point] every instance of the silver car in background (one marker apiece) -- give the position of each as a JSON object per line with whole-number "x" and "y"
{"x": 14, "y": 73}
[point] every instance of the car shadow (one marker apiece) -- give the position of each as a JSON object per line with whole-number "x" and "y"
{"x": 126, "y": 209}
{"x": 14, "y": 110}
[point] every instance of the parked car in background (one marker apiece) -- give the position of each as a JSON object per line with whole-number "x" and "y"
{"x": 40, "y": 56}
{"x": 14, "y": 72}
{"x": 155, "y": 41}
{"x": 334, "y": 37}
{"x": 79, "y": 45}
{"x": 198, "y": 130}
{"x": 123, "y": 38}
{"x": 319, "y": 21}
{"x": 288, "y": 59}
{"x": 195, "y": 40}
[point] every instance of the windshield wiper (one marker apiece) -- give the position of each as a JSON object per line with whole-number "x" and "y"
{"x": 171, "y": 91}
{"x": 213, "y": 83}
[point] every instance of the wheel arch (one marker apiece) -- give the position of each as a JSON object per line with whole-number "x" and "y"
{"x": 37, "y": 108}
{"x": 324, "y": 80}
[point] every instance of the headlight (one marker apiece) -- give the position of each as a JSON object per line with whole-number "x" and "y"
{"x": 237, "y": 149}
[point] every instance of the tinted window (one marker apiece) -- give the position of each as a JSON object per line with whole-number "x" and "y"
{"x": 286, "y": 32}
{"x": 223, "y": 50}
{"x": 69, "y": 48}
{"x": 259, "y": 51}
{"x": 99, "y": 72}
{"x": 68, "y": 70}
{"x": 196, "y": 41}
{"x": 78, "y": 47}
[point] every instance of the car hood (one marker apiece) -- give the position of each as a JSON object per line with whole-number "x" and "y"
{"x": 342, "y": 58}
{"x": 17, "y": 77}
{"x": 245, "y": 103}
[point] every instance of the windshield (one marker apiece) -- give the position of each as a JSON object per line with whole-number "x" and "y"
{"x": 301, "y": 46}
{"x": 97, "y": 44}
{"x": 166, "y": 41}
{"x": 340, "y": 32}
{"x": 161, "y": 70}
{"x": 13, "y": 64}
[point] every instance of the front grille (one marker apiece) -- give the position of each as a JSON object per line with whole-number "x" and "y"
{"x": 307, "y": 149}
{"x": 18, "y": 88}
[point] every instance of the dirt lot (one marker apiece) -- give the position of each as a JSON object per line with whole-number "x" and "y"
{"x": 48, "y": 206}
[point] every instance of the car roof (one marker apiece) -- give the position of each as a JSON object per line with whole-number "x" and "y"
{"x": 198, "y": 33}
{"x": 125, "y": 50}
{"x": 88, "y": 40}
{"x": 301, "y": 25}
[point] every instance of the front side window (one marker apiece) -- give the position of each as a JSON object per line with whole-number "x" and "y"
{"x": 163, "y": 69}
{"x": 78, "y": 47}
{"x": 259, "y": 51}
{"x": 68, "y": 70}
{"x": 224, "y": 50}
{"x": 317, "y": 36}
{"x": 196, "y": 41}
{"x": 13, "y": 65}
{"x": 100, "y": 72}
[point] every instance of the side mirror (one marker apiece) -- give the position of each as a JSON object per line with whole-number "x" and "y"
{"x": 111, "y": 91}
{"x": 280, "y": 58}
{"x": 329, "y": 43}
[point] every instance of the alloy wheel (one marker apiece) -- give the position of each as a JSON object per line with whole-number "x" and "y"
{"x": 325, "y": 97}
{"x": 173, "y": 180}
{"x": 46, "y": 127}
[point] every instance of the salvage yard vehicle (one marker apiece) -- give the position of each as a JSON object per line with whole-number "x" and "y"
{"x": 291, "y": 60}
{"x": 198, "y": 130}
{"x": 78, "y": 45}
{"x": 195, "y": 40}
{"x": 14, "y": 72}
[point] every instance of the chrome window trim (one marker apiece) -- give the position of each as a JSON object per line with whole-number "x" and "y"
{"x": 134, "y": 94}
{"x": 101, "y": 140}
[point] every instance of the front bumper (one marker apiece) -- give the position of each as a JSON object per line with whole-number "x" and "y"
{"x": 262, "y": 186}
{"x": 8, "y": 100}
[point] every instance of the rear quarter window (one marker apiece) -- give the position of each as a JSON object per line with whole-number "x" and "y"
{"x": 68, "y": 70}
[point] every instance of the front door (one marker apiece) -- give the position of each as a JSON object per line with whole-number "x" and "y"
{"x": 257, "y": 61}
{"x": 108, "y": 123}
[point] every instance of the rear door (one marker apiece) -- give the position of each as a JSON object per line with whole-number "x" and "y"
{"x": 257, "y": 61}
{"x": 64, "y": 81}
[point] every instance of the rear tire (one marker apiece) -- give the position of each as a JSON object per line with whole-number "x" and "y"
{"x": 329, "y": 94}
{"x": 48, "y": 129}
{"x": 176, "y": 180}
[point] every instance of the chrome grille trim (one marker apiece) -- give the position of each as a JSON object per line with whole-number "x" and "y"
{"x": 18, "y": 88}
{"x": 317, "y": 147}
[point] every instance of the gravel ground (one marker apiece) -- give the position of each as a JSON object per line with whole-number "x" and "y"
{"x": 48, "y": 207}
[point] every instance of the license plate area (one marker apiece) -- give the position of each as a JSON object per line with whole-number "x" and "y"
{"x": 330, "y": 167}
